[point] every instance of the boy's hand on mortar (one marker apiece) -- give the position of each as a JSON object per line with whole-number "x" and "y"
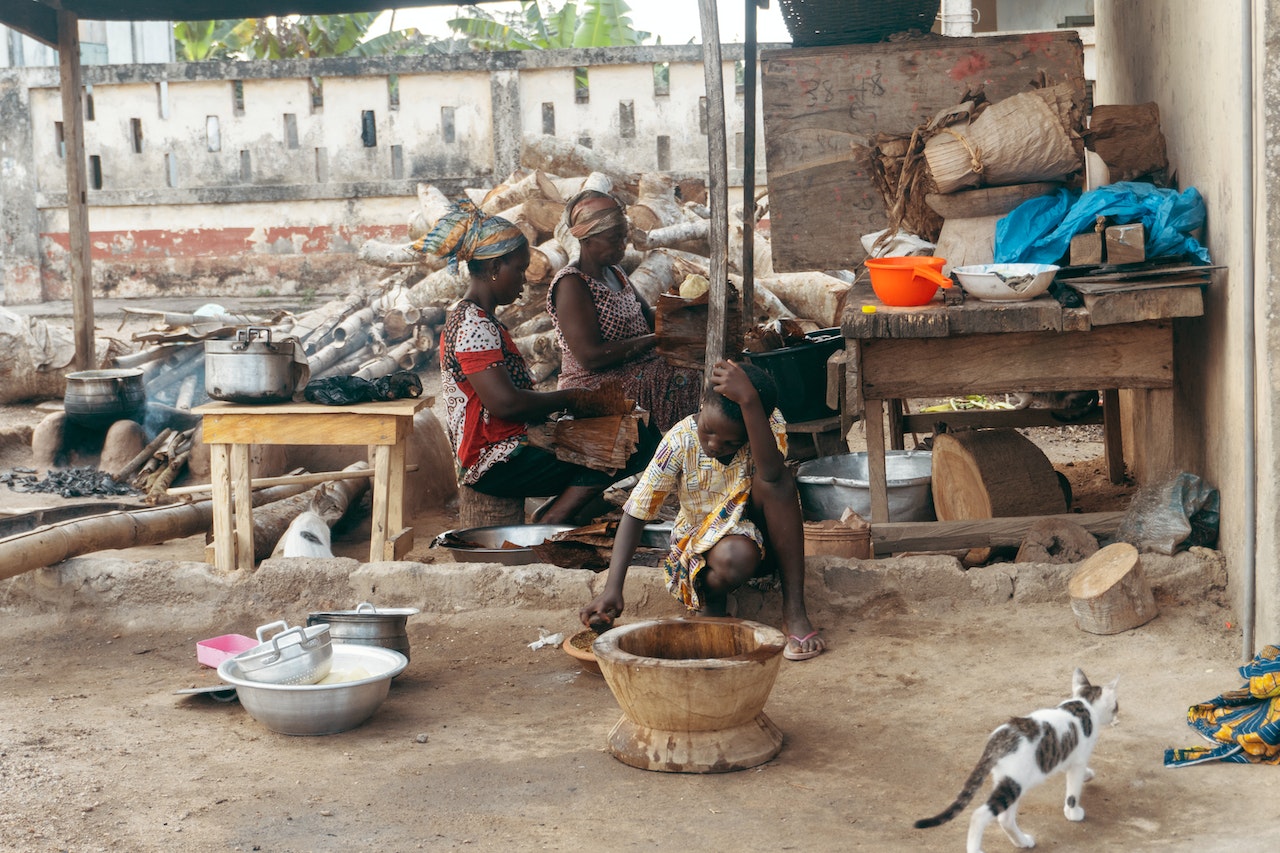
{"x": 731, "y": 381}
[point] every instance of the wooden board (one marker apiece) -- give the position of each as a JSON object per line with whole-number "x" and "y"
{"x": 1135, "y": 355}
{"x": 898, "y": 536}
{"x": 823, "y": 106}
{"x": 1134, "y": 306}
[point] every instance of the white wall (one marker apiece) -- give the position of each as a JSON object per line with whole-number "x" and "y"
{"x": 1186, "y": 56}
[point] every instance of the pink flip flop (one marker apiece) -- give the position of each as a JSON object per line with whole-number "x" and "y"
{"x": 799, "y": 643}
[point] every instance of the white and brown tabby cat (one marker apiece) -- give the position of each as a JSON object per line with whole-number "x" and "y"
{"x": 1025, "y": 751}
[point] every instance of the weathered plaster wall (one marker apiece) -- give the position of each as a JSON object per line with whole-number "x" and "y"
{"x": 1186, "y": 56}
{"x": 251, "y": 176}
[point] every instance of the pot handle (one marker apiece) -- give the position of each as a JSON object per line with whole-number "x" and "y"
{"x": 244, "y": 337}
{"x": 365, "y": 607}
{"x": 263, "y": 629}
{"x": 933, "y": 275}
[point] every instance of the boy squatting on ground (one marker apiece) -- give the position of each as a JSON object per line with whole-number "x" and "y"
{"x": 727, "y": 467}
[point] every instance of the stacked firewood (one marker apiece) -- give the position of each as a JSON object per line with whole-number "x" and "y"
{"x": 670, "y": 229}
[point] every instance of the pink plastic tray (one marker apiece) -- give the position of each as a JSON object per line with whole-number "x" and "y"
{"x": 215, "y": 650}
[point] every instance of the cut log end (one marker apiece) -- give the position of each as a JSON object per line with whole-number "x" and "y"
{"x": 1109, "y": 592}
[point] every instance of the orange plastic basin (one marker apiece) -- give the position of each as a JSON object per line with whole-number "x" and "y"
{"x": 904, "y": 282}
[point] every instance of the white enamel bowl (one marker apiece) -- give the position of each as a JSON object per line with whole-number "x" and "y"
{"x": 1005, "y": 282}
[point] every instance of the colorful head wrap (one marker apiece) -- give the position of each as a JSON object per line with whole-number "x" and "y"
{"x": 466, "y": 232}
{"x": 590, "y": 212}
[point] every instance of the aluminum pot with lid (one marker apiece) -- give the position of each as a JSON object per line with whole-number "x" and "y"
{"x": 252, "y": 368}
{"x": 368, "y": 625}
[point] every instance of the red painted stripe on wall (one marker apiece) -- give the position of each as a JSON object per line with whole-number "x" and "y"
{"x": 227, "y": 242}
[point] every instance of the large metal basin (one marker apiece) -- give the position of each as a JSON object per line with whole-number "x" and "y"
{"x": 831, "y": 483}
{"x": 488, "y": 541}
{"x": 320, "y": 709}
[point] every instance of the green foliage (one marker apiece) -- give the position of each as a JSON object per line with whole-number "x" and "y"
{"x": 290, "y": 37}
{"x": 602, "y": 23}
{"x": 307, "y": 297}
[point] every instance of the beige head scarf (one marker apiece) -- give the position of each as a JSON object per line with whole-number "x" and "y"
{"x": 588, "y": 213}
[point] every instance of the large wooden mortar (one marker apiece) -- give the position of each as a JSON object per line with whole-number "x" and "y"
{"x": 692, "y": 692}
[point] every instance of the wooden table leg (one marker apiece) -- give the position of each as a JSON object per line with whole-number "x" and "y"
{"x": 224, "y": 543}
{"x": 1112, "y": 435}
{"x": 396, "y": 545}
{"x": 242, "y": 495}
{"x": 873, "y": 418}
{"x": 381, "y": 485}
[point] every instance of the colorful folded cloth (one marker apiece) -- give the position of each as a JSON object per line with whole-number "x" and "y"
{"x": 1244, "y": 724}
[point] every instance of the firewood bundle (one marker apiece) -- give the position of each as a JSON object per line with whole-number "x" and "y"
{"x": 670, "y": 229}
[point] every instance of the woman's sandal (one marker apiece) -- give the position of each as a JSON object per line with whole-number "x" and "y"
{"x": 798, "y": 645}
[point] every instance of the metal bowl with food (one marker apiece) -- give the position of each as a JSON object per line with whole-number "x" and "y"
{"x": 512, "y": 544}
{"x": 355, "y": 687}
{"x": 294, "y": 655}
{"x": 1005, "y": 282}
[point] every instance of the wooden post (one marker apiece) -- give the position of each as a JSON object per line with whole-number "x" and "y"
{"x": 718, "y": 189}
{"x": 749, "y": 166}
{"x": 79, "y": 263}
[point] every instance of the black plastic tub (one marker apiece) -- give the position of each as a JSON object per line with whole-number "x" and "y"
{"x": 800, "y": 372}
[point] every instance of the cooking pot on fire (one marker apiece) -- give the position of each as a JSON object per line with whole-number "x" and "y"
{"x": 99, "y": 398}
{"x": 253, "y": 368}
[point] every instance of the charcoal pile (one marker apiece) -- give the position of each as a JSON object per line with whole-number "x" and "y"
{"x": 83, "y": 482}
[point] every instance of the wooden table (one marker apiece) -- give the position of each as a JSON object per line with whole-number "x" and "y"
{"x": 1116, "y": 341}
{"x": 230, "y": 428}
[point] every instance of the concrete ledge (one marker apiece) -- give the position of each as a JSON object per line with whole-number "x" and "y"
{"x": 154, "y": 594}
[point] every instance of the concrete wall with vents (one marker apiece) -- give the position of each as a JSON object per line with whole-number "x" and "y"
{"x": 235, "y": 178}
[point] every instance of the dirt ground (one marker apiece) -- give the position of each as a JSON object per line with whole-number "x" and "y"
{"x": 484, "y": 744}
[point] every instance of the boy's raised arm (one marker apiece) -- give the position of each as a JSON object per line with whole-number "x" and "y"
{"x": 729, "y": 380}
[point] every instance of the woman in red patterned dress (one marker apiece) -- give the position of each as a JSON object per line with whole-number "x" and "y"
{"x": 489, "y": 396}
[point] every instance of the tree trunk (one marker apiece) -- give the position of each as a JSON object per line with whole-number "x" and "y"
{"x": 51, "y": 544}
{"x": 270, "y": 521}
{"x": 1110, "y": 593}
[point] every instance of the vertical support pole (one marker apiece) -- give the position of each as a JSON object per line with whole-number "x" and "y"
{"x": 395, "y": 496}
{"x": 80, "y": 266}
{"x": 749, "y": 168}
{"x": 242, "y": 497}
{"x": 224, "y": 542}
{"x": 873, "y": 420}
{"x": 378, "y": 525}
{"x": 1112, "y": 435}
{"x": 718, "y": 191}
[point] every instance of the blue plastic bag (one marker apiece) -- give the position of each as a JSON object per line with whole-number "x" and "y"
{"x": 1040, "y": 230}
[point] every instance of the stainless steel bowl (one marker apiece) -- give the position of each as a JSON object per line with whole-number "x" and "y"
{"x": 294, "y": 655}
{"x": 829, "y": 484}
{"x": 486, "y": 542}
{"x": 325, "y": 708}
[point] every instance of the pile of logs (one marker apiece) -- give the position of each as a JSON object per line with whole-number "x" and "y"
{"x": 393, "y": 323}
{"x": 670, "y": 229}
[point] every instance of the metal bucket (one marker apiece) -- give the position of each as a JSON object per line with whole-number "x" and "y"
{"x": 99, "y": 398}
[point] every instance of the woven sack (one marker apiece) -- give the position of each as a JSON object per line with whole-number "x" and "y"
{"x": 1017, "y": 140}
{"x": 825, "y": 22}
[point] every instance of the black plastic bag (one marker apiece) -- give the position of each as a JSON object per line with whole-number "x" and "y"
{"x": 347, "y": 390}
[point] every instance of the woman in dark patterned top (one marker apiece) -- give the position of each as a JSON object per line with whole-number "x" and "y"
{"x": 604, "y": 325}
{"x": 488, "y": 393}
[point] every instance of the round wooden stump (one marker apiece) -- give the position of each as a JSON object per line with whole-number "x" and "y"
{"x": 1110, "y": 593}
{"x": 992, "y": 473}
{"x": 476, "y": 509}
